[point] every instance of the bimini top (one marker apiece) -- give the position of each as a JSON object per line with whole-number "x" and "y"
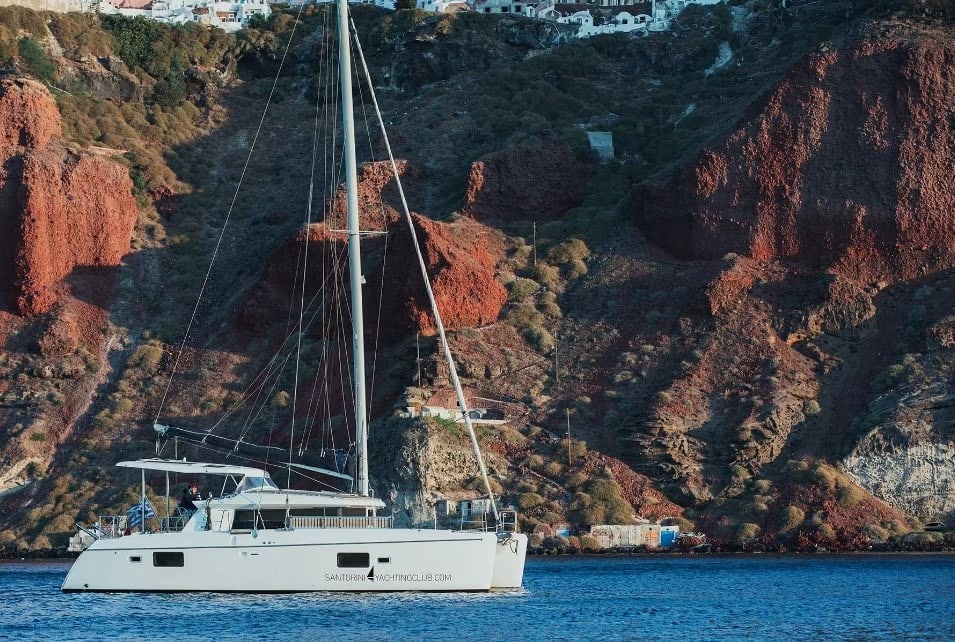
{"x": 195, "y": 467}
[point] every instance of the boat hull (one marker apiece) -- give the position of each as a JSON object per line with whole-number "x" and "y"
{"x": 509, "y": 559}
{"x": 287, "y": 561}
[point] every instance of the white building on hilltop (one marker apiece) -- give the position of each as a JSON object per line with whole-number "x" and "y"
{"x": 229, "y": 16}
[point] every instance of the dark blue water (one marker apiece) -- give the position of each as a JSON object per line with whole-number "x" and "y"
{"x": 866, "y": 597}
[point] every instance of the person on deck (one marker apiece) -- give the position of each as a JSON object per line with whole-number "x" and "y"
{"x": 189, "y": 496}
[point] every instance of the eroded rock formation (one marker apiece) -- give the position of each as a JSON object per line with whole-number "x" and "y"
{"x": 847, "y": 165}
{"x": 461, "y": 258}
{"x": 60, "y": 208}
{"x": 537, "y": 182}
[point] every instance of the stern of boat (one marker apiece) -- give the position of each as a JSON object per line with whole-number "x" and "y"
{"x": 509, "y": 556}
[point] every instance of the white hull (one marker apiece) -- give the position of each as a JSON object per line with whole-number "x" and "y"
{"x": 301, "y": 560}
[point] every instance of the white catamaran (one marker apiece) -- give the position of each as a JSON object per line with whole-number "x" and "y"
{"x": 256, "y": 537}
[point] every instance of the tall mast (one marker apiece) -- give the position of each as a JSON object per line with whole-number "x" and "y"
{"x": 354, "y": 251}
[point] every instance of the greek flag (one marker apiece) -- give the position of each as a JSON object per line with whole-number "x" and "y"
{"x": 134, "y": 516}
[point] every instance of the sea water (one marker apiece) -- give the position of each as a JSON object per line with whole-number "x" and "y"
{"x": 761, "y": 597}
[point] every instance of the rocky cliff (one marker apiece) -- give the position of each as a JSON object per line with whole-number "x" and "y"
{"x": 62, "y": 209}
{"x": 777, "y": 373}
{"x": 846, "y": 164}
{"x": 831, "y": 205}
{"x": 538, "y": 182}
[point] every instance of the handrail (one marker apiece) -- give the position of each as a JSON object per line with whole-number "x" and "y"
{"x": 317, "y": 521}
{"x": 89, "y": 532}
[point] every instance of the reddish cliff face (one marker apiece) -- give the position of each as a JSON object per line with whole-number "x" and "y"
{"x": 532, "y": 183}
{"x": 60, "y": 209}
{"x": 461, "y": 259}
{"x": 848, "y": 164}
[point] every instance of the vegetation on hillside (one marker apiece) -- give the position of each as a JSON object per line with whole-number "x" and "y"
{"x": 195, "y": 97}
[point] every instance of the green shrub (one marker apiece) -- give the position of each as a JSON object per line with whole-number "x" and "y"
{"x": 791, "y": 518}
{"x": 876, "y": 533}
{"x": 550, "y": 518}
{"x": 923, "y": 538}
{"x": 36, "y": 60}
{"x": 122, "y": 407}
{"x": 170, "y": 91}
{"x": 570, "y": 250}
{"x": 534, "y": 462}
{"x": 546, "y": 275}
{"x": 539, "y": 337}
{"x": 850, "y": 495}
{"x": 529, "y": 500}
{"x": 574, "y": 269}
{"x": 589, "y": 543}
{"x": 554, "y": 469}
{"x": 825, "y": 477}
{"x": 521, "y": 288}
{"x": 825, "y": 531}
{"x": 136, "y": 38}
{"x": 747, "y": 533}
{"x": 148, "y": 356}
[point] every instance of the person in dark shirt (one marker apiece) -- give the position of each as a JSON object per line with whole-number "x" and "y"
{"x": 189, "y": 496}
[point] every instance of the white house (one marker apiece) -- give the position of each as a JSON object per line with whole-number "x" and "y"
{"x": 230, "y": 16}
{"x": 443, "y": 6}
{"x": 499, "y": 6}
{"x": 479, "y": 506}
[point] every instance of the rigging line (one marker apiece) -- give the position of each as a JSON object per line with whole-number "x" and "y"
{"x": 267, "y": 369}
{"x": 199, "y": 433}
{"x": 333, "y": 169}
{"x": 324, "y": 65}
{"x": 203, "y": 446}
{"x": 225, "y": 223}
{"x": 247, "y": 427}
{"x": 312, "y": 397}
{"x": 476, "y": 447}
{"x": 301, "y": 309}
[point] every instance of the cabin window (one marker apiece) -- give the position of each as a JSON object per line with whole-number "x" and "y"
{"x": 135, "y": 558}
{"x": 353, "y": 560}
{"x": 384, "y": 560}
{"x": 168, "y": 558}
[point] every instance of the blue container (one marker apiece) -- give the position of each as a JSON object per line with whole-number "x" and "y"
{"x": 667, "y": 538}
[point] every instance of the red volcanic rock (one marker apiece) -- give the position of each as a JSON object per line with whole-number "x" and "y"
{"x": 461, "y": 258}
{"x": 379, "y": 203}
{"x": 848, "y": 164}
{"x": 532, "y": 183}
{"x": 60, "y": 208}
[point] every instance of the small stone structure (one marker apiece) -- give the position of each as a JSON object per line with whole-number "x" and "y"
{"x": 602, "y": 143}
